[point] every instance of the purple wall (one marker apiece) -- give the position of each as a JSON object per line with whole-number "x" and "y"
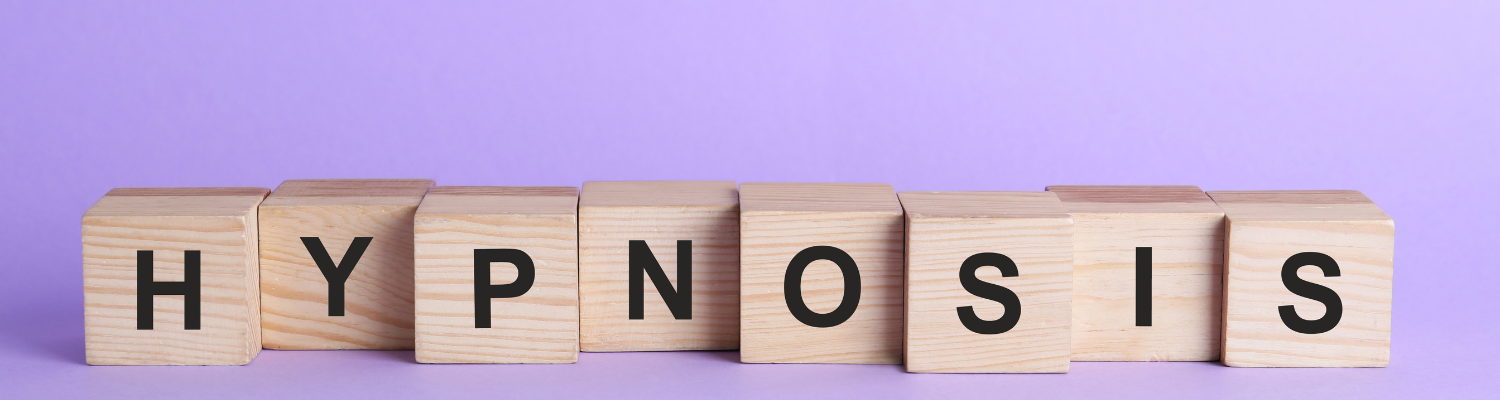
{"x": 1398, "y": 99}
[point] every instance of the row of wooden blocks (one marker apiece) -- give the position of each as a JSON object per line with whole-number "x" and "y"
{"x": 783, "y": 272}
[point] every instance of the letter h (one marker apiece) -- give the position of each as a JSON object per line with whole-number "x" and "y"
{"x": 146, "y": 289}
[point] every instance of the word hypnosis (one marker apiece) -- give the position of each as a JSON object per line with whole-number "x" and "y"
{"x": 784, "y": 272}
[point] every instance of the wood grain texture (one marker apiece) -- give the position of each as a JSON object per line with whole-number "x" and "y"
{"x": 610, "y": 215}
{"x": 811, "y": 197}
{"x": 1264, "y": 230}
{"x": 378, "y": 294}
{"x": 519, "y": 200}
{"x": 1086, "y": 196}
{"x": 779, "y": 220}
{"x": 220, "y": 223}
{"x": 343, "y": 192}
{"x": 540, "y": 326}
{"x": 227, "y": 192}
{"x": 946, "y": 228}
{"x": 658, "y": 193}
{"x": 175, "y": 202}
{"x": 1185, "y": 231}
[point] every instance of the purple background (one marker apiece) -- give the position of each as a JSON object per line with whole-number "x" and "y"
{"x": 1400, "y": 100}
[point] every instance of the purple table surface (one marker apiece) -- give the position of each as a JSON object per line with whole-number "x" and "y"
{"x": 1398, "y": 99}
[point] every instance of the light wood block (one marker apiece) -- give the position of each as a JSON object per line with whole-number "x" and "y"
{"x": 215, "y": 226}
{"x": 1272, "y": 236}
{"x": 539, "y": 323}
{"x": 661, "y": 213}
{"x": 958, "y": 327}
{"x": 779, "y": 221}
{"x": 297, "y": 311}
{"x": 1182, "y": 231}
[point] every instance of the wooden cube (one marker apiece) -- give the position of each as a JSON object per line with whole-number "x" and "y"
{"x": 989, "y": 282}
{"x": 170, "y": 277}
{"x": 1147, "y": 272}
{"x": 635, "y": 240}
{"x": 497, "y": 275}
{"x": 1307, "y": 279}
{"x": 821, "y": 277}
{"x": 336, "y": 263}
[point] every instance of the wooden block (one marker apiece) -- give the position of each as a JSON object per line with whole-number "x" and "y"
{"x": 661, "y": 218}
{"x": 845, "y": 240}
{"x": 1307, "y": 279}
{"x": 170, "y": 277}
{"x": 368, "y": 218}
{"x": 1147, "y": 272}
{"x": 521, "y": 245}
{"x": 989, "y": 282}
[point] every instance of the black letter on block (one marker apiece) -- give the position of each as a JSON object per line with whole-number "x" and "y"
{"x": 146, "y": 288}
{"x": 484, "y": 291}
{"x": 990, "y": 291}
{"x": 336, "y": 275}
{"x": 642, "y": 262}
{"x": 1143, "y": 286}
{"x": 1310, "y": 290}
{"x": 792, "y": 287}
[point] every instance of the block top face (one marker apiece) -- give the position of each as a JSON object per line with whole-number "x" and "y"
{"x": 819, "y": 197}
{"x": 194, "y": 202}
{"x": 1298, "y": 205}
{"x": 1135, "y": 199}
{"x": 501, "y": 200}
{"x": 659, "y": 193}
{"x": 920, "y": 205}
{"x": 349, "y": 192}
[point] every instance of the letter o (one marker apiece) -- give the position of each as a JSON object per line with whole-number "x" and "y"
{"x": 793, "y": 286}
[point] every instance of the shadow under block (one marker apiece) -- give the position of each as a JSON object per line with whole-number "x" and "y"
{"x": 660, "y": 213}
{"x": 957, "y": 236}
{"x": 215, "y": 226}
{"x": 534, "y": 318}
{"x": 377, "y": 295}
{"x": 779, "y": 221}
{"x": 1184, "y": 231}
{"x": 1281, "y": 241}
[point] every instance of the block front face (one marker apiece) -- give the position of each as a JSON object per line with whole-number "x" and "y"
{"x": 779, "y": 221}
{"x": 217, "y": 223}
{"x": 940, "y": 242}
{"x": 610, "y": 216}
{"x": 1271, "y": 231}
{"x": 1183, "y": 230}
{"x": 377, "y": 294}
{"x": 538, "y": 326}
